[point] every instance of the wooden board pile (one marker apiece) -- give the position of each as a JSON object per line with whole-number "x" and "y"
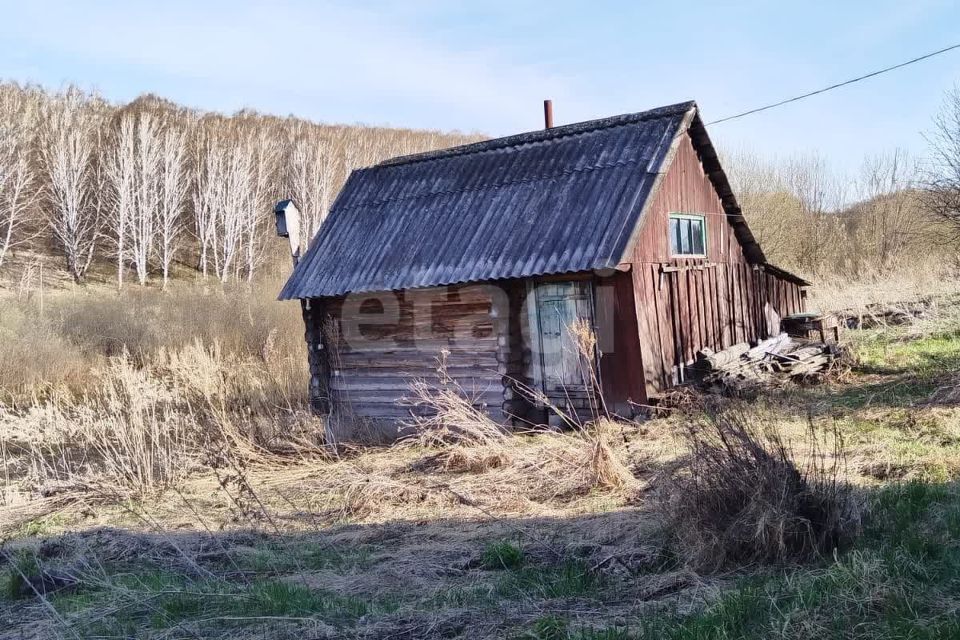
{"x": 779, "y": 357}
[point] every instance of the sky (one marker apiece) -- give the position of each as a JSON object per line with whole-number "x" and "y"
{"x": 487, "y": 66}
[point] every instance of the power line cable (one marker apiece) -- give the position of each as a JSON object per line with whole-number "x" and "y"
{"x": 836, "y": 86}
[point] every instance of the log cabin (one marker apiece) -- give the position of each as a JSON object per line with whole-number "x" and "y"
{"x": 485, "y": 257}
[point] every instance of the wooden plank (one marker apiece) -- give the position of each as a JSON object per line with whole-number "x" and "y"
{"x": 676, "y": 311}
{"x": 661, "y": 297}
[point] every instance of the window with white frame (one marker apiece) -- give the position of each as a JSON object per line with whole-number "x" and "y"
{"x": 688, "y": 235}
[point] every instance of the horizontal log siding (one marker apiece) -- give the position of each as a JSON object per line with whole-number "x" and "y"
{"x": 684, "y": 305}
{"x": 371, "y": 380}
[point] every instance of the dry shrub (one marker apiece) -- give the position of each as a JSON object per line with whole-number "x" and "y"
{"x": 141, "y": 439}
{"x": 745, "y": 497}
{"x": 243, "y": 320}
{"x": 66, "y": 345}
{"x": 142, "y": 429}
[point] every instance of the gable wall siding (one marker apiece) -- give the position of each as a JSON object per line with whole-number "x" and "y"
{"x": 686, "y": 304}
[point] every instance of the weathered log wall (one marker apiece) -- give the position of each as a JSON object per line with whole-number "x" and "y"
{"x": 382, "y": 342}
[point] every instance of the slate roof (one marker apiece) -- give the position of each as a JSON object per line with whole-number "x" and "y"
{"x": 559, "y": 200}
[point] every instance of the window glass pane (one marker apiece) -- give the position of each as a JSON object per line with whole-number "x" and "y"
{"x": 684, "y": 236}
{"x": 674, "y": 236}
{"x": 696, "y": 232}
{"x": 687, "y": 235}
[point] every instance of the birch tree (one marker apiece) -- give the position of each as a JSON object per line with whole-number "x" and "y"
{"x": 209, "y": 172}
{"x": 230, "y": 209}
{"x": 312, "y": 171}
{"x": 143, "y": 224}
{"x": 264, "y": 153}
{"x": 121, "y": 170}
{"x": 173, "y": 192}
{"x": 68, "y": 147}
{"x": 16, "y": 189}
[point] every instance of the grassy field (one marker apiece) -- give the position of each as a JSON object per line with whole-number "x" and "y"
{"x": 219, "y": 519}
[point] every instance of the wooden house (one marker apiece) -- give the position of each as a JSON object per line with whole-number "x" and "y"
{"x": 486, "y": 255}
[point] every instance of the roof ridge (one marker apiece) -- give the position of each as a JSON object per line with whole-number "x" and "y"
{"x": 542, "y": 135}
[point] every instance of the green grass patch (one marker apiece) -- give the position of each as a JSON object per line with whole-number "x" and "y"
{"x": 911, "y": 368}
{"x": 895, "y": 352}
{"x": 502, "y": 555}
{"x": 567, "y": 579}
{"x": 164, "y": 600}
{"x": 12, "y": 579}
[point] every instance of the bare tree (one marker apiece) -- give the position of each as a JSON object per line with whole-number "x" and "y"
{"x": 265, "y": 154}
{"x": 16, "y": 190}
{"x": 121, "y": 175}
{"x": 69, "y": 142}
{"x": 231, "y": 208}
{"x": 173, "y": 192}
{"x": 312, "y": 172}
{"x": 942, "y": 180}
{"x": 143, "y": 224}
{"x": 209, "y": 173}
{"x": 88, "y": 168}
{"x": 888, "y": 218}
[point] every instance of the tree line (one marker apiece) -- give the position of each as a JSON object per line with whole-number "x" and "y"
{"x": 896, "y": 212}
{"x": 149, "y": 184}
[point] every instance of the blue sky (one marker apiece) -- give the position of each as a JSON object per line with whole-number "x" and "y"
{"x": 487, "y": 66}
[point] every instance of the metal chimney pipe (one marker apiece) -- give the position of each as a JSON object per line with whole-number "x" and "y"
{"x": 548, "y": 114}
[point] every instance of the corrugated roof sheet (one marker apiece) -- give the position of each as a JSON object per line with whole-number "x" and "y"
{"x": 554, "y": 201}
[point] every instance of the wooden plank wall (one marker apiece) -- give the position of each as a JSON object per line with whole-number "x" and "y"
{"x": 700, "y": 306}
{"x": 684, "y": 305}
{"x": 621, "y": 361}
{"x": 370, "y": 378}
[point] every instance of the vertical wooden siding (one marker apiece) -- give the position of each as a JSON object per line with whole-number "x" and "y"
{"x": 684, "y": 305}
{"x": 622, "y": 364}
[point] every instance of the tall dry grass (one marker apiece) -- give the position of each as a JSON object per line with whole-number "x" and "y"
{"x": 915, "y": 281}
{"x": 135, "y": 390}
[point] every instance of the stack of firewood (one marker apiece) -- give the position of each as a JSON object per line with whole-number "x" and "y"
{"x": 779, "y": 357}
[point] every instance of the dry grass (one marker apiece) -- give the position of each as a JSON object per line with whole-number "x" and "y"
{"x": 390, "y": 541}
{"x": 887, "y": 289}
{"x": 445, "y": 414}
{"x": 34, "y": 357}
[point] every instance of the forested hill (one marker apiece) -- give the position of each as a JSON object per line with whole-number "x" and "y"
{"x": 151, "y": 187}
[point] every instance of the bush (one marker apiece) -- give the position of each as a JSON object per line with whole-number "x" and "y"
{"x": 744, "y": 496}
